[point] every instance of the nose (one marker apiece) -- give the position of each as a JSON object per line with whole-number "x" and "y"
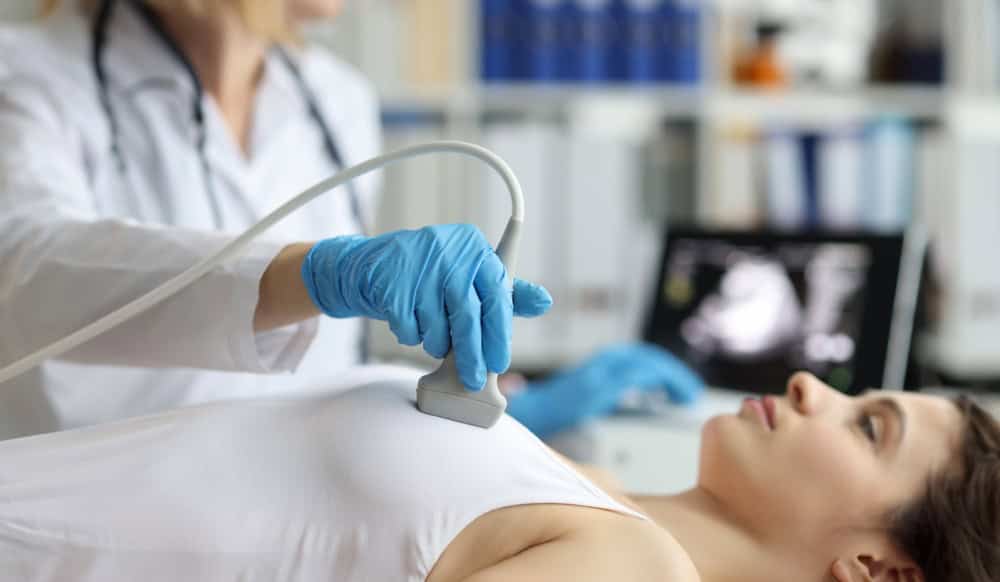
{"x": 805, "y": 393}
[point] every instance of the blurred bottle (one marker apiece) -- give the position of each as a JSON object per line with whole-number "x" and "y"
{"x": 761, "y": 66}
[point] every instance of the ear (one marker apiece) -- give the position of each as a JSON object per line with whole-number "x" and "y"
{"x": 870, "y": 569}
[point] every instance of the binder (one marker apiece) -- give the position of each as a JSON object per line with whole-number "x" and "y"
{"x": 841, "y": 160}
{"x": 643, "y": 39}
{"x": 681, "y": 25}
{"x": 735, "y": 203}
{"x": 809, "y": 151}
{"x": 890, "y": 174}
{"x": 590, "y": 38}
{"x": 602, "y": 189}
{"x": 785, "y": 180}
{"x": 498, "y": 28}
{"x": 429, "y": 48}
{"x": 536, "y": 152}
{"x": 668, "y": 176}
{"x": 544, "y": 44}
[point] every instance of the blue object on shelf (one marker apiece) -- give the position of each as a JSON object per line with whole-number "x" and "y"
{"x": 682, "y": 41}
{"x": 592, "y": 32}
{"x": 591, "y": 41}
{"x": 666, "y": 42}
{"x": 889, "y": 174}
{"x": 809, "y": 144}
{"x": 616, "y": 51}
{"x": 498, "y": 29}
{"x": 642, "y": 30}
{"x": 544, "y": 45}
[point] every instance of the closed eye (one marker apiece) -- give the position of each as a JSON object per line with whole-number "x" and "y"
{"x": 871, "y": 426}
{"x": 888, "y": 408}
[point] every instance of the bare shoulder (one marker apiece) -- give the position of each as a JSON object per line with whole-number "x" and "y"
{"x": 670, "y": 562}
{"x": 654, "y": 554}
{"x": 624, "y": 550}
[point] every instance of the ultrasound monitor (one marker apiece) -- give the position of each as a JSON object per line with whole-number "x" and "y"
{"x": 747, "y": 309}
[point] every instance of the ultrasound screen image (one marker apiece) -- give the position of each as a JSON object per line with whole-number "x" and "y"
{"x": 747, "y": 316}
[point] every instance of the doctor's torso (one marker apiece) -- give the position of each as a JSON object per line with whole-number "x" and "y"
{"x": 162, "y": 182}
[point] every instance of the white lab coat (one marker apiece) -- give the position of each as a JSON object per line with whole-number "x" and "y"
{"x": 77, "y": 239}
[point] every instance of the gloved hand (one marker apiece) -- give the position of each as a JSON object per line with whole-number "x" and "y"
{"x": 595, "y": 388}
{"x": 440, "y": 285}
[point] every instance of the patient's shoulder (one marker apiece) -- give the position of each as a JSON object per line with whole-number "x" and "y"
{"x": 562, "y": 543}
{"x": 632, "y": 550}
{"x": 659, "y": 557}
{"x": 626, "y": 551}
{"x": 672, "y": 562}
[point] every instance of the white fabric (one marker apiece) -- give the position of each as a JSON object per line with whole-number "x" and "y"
{"x": 355, "y": 486}
{"x": 77, "y": 239}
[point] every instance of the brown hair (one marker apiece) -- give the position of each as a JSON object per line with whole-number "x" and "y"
{"x": 953, "y": 530}
{"x": 267, "y": 18}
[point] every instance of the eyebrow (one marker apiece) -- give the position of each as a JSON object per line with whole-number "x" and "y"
{"x": 895, "y": 408}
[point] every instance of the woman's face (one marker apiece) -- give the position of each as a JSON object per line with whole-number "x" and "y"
{"x": 816, "y": 463}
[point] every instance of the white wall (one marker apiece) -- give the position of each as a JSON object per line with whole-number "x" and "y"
{"x": 18, "y": 9}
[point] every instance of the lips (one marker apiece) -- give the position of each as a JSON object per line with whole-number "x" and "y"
{"x": 771, "y": 409}
{"x": 764, "y": 409}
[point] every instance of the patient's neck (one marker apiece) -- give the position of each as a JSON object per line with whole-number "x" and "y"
{"x": 722, "y": 549}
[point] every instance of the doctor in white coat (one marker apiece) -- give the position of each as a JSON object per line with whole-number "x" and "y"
{"x": 137, "y": 138}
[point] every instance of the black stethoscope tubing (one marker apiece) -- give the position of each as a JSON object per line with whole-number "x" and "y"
{"x": 100, "y": 42}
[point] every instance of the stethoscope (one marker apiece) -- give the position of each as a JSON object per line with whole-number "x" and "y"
{"x": 100, "y": 41}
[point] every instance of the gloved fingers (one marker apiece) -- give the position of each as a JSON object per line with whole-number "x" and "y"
{"x": 493, "y": 289}
{"x": 639, "y": 365}
{"x": 433, "y": 322}
{"x": 404, "y": 326}
{"x": 530, "y": 300}
{"x": 684, "y": 386}
{"x": 539, "y": 412}
{"x": 612, "y": 367}
{"x": 408, "y": 290}
{"x": 464, "y": 316}
{"x": 402, "y": 319}
{"x": 681, "y": 383}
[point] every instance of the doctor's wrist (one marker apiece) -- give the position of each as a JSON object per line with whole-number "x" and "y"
{"x": 283, "y": 298}
{"x": 333, "y": 277}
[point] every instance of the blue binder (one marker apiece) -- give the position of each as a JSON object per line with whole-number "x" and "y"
{"x": 809, "y": 143}
{"x": 591, "y": 35}
{"x": 643, "y": 33}
{"x": 544, "y": 43}
{"x": 498, "y": 33}
{"x": 684, "y": 31}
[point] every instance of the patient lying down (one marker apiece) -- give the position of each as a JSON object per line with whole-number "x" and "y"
{"x": 811, "y": 487}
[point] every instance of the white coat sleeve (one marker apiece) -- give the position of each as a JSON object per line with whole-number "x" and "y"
{"x": 63, "y": 266}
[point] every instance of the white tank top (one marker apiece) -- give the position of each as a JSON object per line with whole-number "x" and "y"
{"x": 357, "y": 486}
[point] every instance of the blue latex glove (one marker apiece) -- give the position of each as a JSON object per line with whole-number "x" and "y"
{"x": 595, "y": 388}
{"x": 442, "y": 286}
